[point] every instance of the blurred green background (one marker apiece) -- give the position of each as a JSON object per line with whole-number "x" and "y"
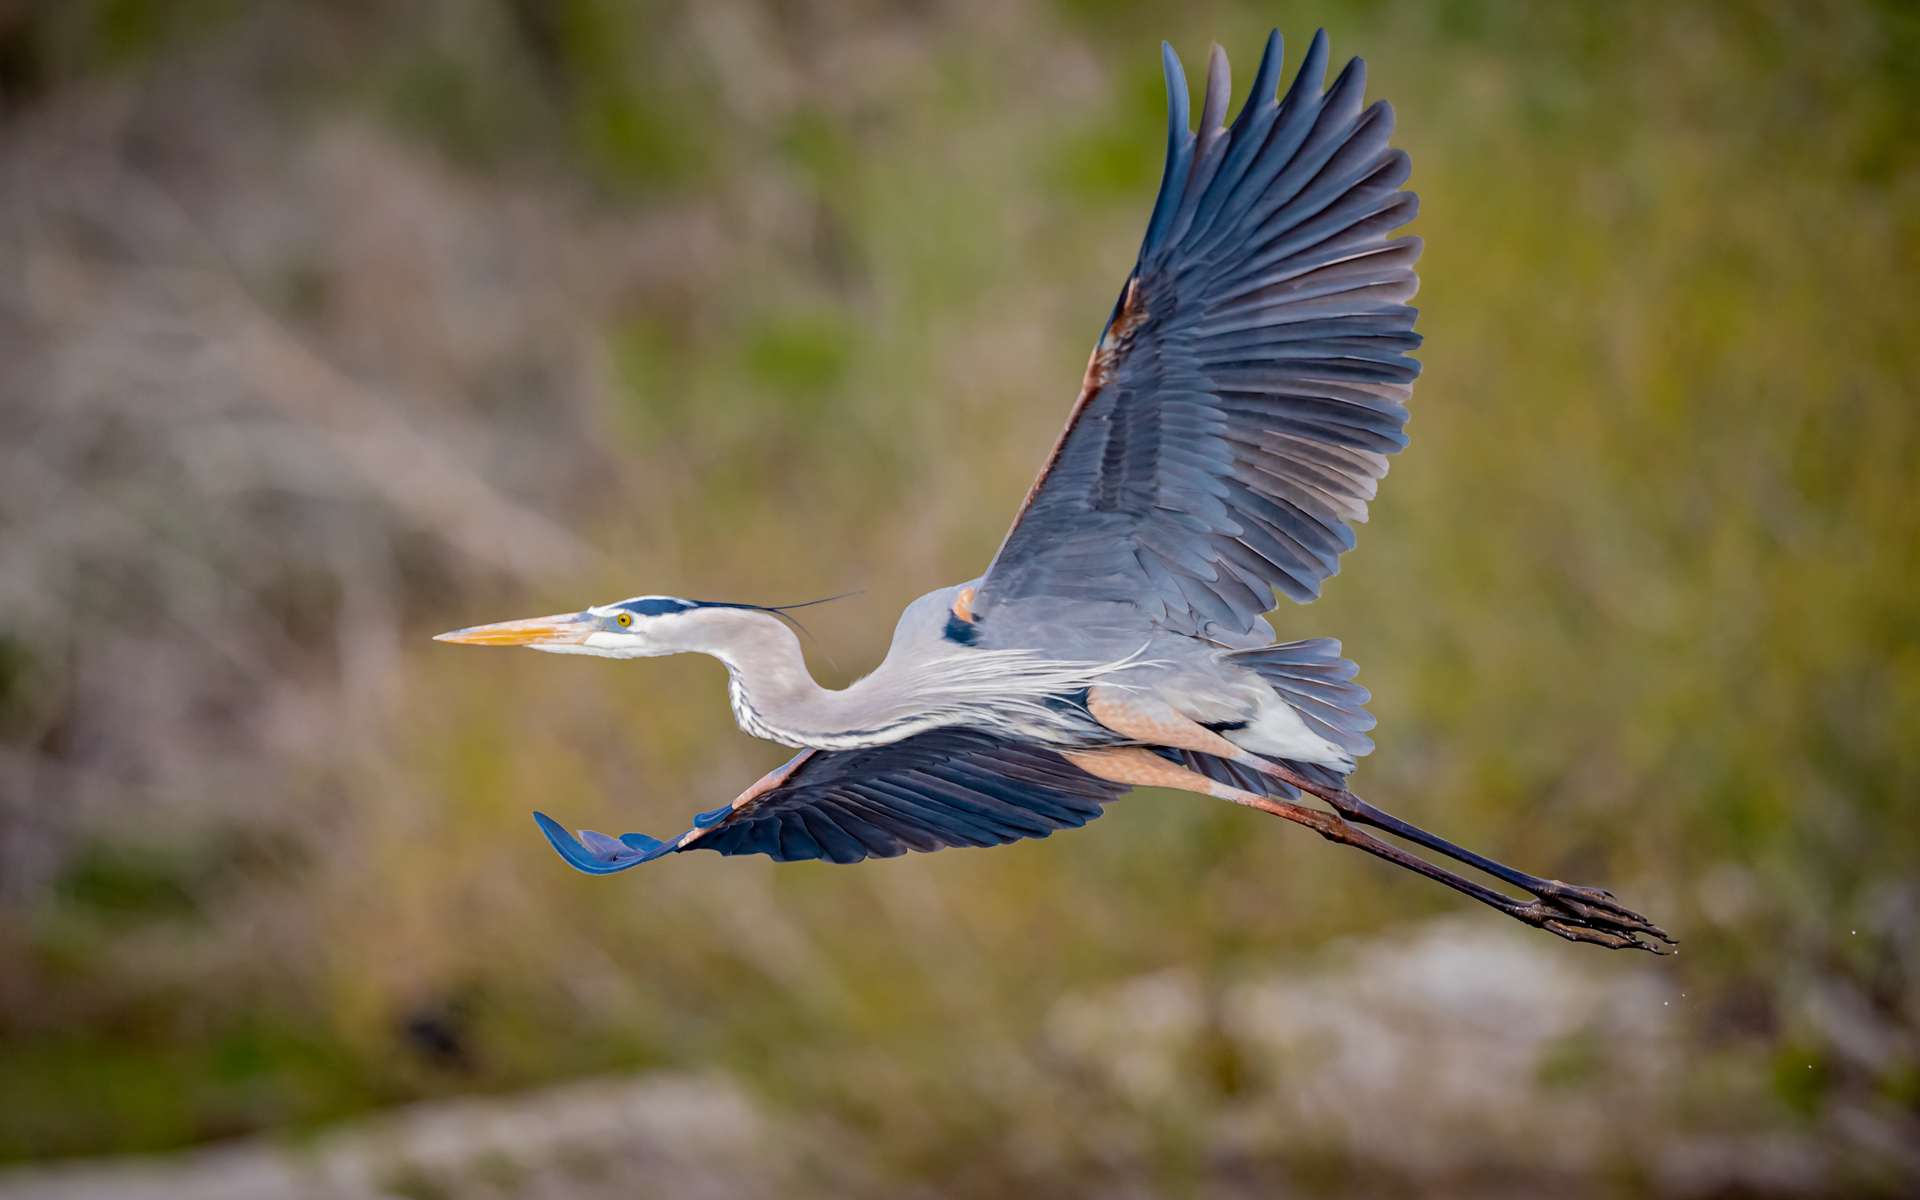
{"x": 328, "y": 326}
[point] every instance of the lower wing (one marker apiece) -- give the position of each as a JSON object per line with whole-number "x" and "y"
{"x": 946, "y": 787}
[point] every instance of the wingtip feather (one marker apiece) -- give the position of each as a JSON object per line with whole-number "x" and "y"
{"x": 1266, "y": 80}
{"x": 1219, "y": 90}
{"x": 1178, "y": 111}
{"x": 605, "y": 855}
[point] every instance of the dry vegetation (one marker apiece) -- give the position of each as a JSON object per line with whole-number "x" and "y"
{"x": 326, "y": 327}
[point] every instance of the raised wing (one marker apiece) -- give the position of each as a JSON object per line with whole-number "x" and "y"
{"x": 947, "y": 787}
{"x": 1237, "y": 412}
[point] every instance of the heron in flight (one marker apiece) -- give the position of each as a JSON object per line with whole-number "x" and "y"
{"x": 1232, "y": 425}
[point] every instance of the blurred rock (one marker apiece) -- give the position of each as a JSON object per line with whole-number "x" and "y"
{"x": 1459, "y": 1051}
{"x": 685, "y": 1136}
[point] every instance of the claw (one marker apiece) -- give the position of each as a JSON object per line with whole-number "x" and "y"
{"x": 1612, "y": 925}
{"x": 1596, "y": 908}
{"x": 1586, "y": 933}
{"x": 1597, "y": 937}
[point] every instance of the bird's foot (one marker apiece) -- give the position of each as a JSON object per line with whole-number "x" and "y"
{"x": 1586, "y": 914}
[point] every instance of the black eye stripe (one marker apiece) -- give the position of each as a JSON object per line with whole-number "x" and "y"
{"x": 656, "y": 606}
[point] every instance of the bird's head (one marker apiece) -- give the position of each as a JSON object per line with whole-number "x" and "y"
{"x": 642, "y": 627}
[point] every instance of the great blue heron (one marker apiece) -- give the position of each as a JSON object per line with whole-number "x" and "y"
{"x": 1234, "y": 420}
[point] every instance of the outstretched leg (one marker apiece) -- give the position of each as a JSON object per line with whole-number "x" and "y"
{"x": 1573, "y": 916}
{"x": 1583, "y": 901}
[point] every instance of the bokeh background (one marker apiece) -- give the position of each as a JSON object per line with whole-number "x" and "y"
{"x": 327, "y": 326}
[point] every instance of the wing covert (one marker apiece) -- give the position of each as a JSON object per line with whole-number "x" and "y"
{"x": 1237, "y": 412}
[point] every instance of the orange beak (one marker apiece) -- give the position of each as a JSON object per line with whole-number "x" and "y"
{"x": 562, "y": 629}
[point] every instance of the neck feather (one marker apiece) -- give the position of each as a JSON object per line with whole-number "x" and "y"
{"x": 773, "y": 694}
{"x": 920, "y": 686}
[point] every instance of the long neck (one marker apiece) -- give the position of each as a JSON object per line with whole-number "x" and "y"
{"x": 923, "y": 684}
{"x": 774, "y": 696}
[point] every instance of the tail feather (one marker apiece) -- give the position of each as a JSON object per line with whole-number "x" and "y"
{"x": 1317, "y": 683}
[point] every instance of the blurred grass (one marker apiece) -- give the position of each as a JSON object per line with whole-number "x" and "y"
{"x": 1637, "y": 606}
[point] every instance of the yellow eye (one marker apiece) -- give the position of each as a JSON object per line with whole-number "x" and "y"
{"x": 624, "y": 619}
